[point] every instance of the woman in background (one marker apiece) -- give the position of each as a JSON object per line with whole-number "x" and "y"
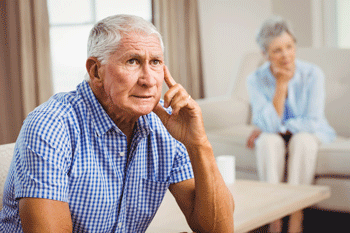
{"x": 287, "y": 99}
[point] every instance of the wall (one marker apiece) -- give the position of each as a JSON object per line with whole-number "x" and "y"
{"x": 227, "y": 32}
{"x": 298, "y": 13}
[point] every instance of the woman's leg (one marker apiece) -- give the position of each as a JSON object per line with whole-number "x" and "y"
{"x": 270, "y": 153}
{"x": 295, "y": 224}
{"x": 302, "y": 151}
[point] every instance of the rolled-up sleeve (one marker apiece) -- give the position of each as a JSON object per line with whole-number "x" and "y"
{"x": 182, "y": 168}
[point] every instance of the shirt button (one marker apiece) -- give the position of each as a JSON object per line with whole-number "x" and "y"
{"x": 121, "y": 154}
{"x": 120, "y": 225}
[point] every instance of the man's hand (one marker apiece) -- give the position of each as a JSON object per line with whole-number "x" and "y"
{"x": 205, "y": 200}
{"x": 254, "y": 135}
{"x": 185, "y": 123}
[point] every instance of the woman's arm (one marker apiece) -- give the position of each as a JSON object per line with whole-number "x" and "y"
{"x": 264, "y": 114}
{"x": 282, "y": 76}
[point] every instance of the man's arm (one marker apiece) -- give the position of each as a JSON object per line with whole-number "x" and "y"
{"x": 44, "y": 215}
{"x": 205, "y": 201}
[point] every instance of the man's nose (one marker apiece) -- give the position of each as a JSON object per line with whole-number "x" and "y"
{"x": 146, "y": 77}
{"x": 284, "y": 52}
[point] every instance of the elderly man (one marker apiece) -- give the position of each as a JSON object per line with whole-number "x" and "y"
{"x": 100, "y": 159}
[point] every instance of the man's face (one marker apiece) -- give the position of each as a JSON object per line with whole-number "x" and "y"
{"x": 132, "y": 77}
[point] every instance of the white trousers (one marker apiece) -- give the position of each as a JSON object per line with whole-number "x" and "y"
{"x": 271, "y": 158}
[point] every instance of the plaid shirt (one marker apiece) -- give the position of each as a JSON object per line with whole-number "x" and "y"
{"x": 70, "y": 150}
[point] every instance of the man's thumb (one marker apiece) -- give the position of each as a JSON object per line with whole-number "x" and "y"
{"x": 161, "y": 113}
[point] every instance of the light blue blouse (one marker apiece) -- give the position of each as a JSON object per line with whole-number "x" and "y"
{"x": 305, "y": 102}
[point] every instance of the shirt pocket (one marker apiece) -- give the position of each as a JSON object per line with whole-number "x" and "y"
{"x": 151, "y": 194}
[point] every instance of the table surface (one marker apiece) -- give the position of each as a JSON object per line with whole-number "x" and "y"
{"x": 256, "y": 204}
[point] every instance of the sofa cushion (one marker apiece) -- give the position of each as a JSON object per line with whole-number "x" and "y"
{"x": 333, "y": 158}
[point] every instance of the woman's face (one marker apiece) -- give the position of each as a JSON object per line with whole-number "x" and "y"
{"x": 281, "y": 51}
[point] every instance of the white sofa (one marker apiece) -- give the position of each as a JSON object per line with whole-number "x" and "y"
{"x": 228, "y": 123}
{"x": 6, "y": 154}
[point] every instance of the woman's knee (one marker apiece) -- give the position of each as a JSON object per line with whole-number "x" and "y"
{"x": 307, "y": 139}
{"x": 269, "y": 139}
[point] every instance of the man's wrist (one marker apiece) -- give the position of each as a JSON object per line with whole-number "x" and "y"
{"x": 199, "y": 148}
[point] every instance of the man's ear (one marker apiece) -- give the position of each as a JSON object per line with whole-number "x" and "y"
{"x": 92, "y": 67}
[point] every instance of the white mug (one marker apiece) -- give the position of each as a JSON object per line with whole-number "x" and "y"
{"x": 227, "y": 167}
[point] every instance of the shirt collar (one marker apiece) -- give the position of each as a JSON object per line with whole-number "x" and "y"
{"x": 102, "y": 122}
{"x": 143, "y": 124}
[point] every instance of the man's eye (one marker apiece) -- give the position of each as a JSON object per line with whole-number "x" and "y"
{"x": 155, "y": 62}
{"x": 132, "y": 62}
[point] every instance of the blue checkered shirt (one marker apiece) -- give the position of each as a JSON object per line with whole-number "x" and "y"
{"x": 70, "y": 150}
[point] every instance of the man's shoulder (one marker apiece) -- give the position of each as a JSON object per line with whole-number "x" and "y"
{"x": 60, "y": 114}
{"x": 59, "y": 106}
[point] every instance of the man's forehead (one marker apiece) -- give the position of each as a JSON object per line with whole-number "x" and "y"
{"x": 137, "y": 44}
{"x": 134, "y": 38}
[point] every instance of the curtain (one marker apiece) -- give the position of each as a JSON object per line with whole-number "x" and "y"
{"x": 25, "y": 67}
{"x": 178, "y": 22}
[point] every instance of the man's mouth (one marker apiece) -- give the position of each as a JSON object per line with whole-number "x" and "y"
{"x": 143, "y": 96}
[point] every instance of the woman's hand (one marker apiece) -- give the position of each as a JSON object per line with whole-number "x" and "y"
{"x": 282, "y": 74}
{"x": 254, "y": 135}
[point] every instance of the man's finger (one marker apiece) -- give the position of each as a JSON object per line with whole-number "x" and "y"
{"x": 167, "y": 77}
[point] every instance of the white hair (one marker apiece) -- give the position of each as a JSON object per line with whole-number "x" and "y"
{"x": 270, "y": 29}
{"x": 106, "y": 34}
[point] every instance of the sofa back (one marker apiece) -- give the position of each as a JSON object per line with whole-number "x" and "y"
{"x": 336, "y": 65}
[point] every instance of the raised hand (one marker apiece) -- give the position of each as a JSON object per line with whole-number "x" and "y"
{"x": 185, "y": 123}
{"x": 283, "y": 74}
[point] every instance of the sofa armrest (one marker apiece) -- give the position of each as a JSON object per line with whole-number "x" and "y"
{"x": 221, "y": 112}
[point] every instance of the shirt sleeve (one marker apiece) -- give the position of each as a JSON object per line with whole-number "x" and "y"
{"x": 313, "y": 119}
{"x": 264, "y": 113}
{"x": 41, "y": 160}
{"x": 182, "y": 168}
